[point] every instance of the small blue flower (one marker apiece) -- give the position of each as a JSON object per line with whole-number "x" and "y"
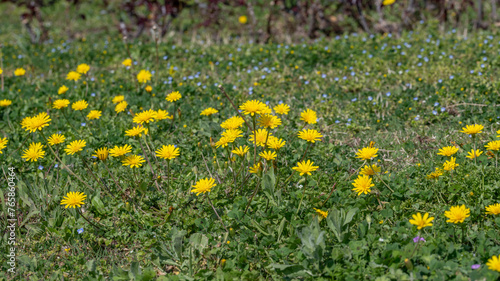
{"x": 388, "y": 94}
{"x": 434, "y": 112}
{"x": 337, "y": 121}
{"x": 443, "y": 109}
{"x": 415, "y": 98}
{"x": 354, "y": 99}
{"x": 93, "y": 94}
{"x": 40, "y": 167}
{"x": 80, "y": 231}
{"x": 56, "y": 165}
{"x": 83, "y": 124}
{"x": 370, "y": 98}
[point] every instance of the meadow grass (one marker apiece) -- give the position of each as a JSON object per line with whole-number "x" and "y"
{"x": 408, "y": 96}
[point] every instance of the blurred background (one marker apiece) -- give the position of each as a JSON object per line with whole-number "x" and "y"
{"x": 258, "y": 21}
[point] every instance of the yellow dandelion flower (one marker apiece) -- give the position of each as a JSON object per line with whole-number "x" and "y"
{"x": 63, "y": 89}
{"x": 83, "y": 68}
{"x": 321, "y": 214}
{"x": 167, "y": 152}
{"x": 73, "y": 199}
{"x": 282, "y": 109}
{"x": 255, "y": 169}
{"x": 127, "y": 62}
{"x": 209, "y": 111}
{"x": 253, "y": 107}
{"x": 473, "y": 154}
{"x": 121, "y": 106}
{"x": 305, "y": 167}
{"x": 450, "y": 165}
{"x": 268, "y": 155}
{"x": 73, "y": 76}
{"x": 79, "y": 105}
{"x": 101, "y": 153}
{"x": 242, "y": 19}
{"x": 144, "y": 76}
{"x": 136, "y": 131}
{"x": 162, "y": 114}
{"x": 118, "y": 151}
{"x": 56, "y": 139}
{"x": 75, "y": 146}
{"x": 448, "y": 150}
{"x": 94, "y": 114}
{"x": 457, "y": 214}
{"x": 232, "y": 123}
{"x": 5, "y": 103}
{"x": 493, "y": 209}
{"x": 118, "y": 99}
{"x": 232, "y": 134}
{"x": 309, "y": 116}
{"x": 494, "y": 263}
{"x": 275, "y": 143}
{"x": 240, "y": 151}
{"x": 34, "y": 152}
{"x": 36, "y": 123}
{"x": 310, "y": 135}
{"x": 362, "y": 184}
{"x": 388, "y": 2}
{"x": 173, "y": 96}
{"x": 472, "y": 129}
{"x": 367, "y": 153}
{"x": 370, "y": 170}
{"x": 493, "y": 145}
{"x": 19, "y": 72}
{"x": 261, "y": 137}
{"x": 145, "y": 116}
{"x": 134, "y": 161}
{"x": 421, "y": 221}
{"x": 268, "y": 121}
{"x": 62, "y": 103}
{"x": 436, "y": 174}
{"x": 3, "y": 144}
{"x": 203, "y": 186}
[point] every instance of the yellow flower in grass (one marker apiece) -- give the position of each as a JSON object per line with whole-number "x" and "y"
{"x": 370, "y": 170}
{"x": 282, "y": 109}
{"x": 223, "y": 141}
{"x": 472, "y": 129}
{"x": 268, "y": 155}
{"x": 19, "y": 72}
{"x": 34, "y": 152}
{"x": 5, "y": 103}
{"x": 94, "y": 114}
{"x": 388, "y": 2}
{"x": 118, "y": 99}
{"x": 63, "y": 89}
{"x": 75, "y": 146}
{"x": 3, "y": 144}
{"x": 493, "y": 145}
{"x": 321, "y": 214}
{"x": 209, "y": 111}
{"x": 232, "y": 134}
{"x": 79, "y": 105}
{"x": 253, "y": 107}
{"x": 134, "y": 161}
{"x": 261, "y": 137}
{"x": 498, "y": 132}
{"x": 473, "y": 154}
{"x": 73, "y": 76}
{"x": 162, "y": 114}
{"x": 101, "y": 153}
{"x": 144, "y": 76}
{"x": 305, "y": 167}
{"x": 436, "y": 174}
{"x": 173, "y": 96}
{"x": 240, "y": 151}
{"x": 121, "y": 106}
{"x": 73, "y": 199}
{"x": 268, "y": 121}
{"x": 242, "y": 19}
{"x": 275, "y": 143}
{"x": 255, "y": 169}
{"x": 83, "y": 68}
{"x": 203, "y": 186}
{"x": 127, "y": 62}
{"x": 36, "y": 122}
{"x": 1, "y": 71}
{"x": 450, "y": 165}
{"x": 148, "y": 89}
{"x": 421, "y": 221}
{"x": 448, "y": 150}
{"x": 494, "y": 263}
{"x": 232, "y": 123}
{"x": 118, "y": 151}
{"x": 457, "y": 214}
{"x": 136, "y": 131}
{"x": 310, "y": 135}
{"x": 309, "y": 116}
{"x": 493, "y": 209}
{"x": 58, "y": 104}
{"x": 167, "y": 152}
{"x": 56, "y": 139}
{"x": 367, "y": 153}
{"x": 145, "y": 116}
{"x": 362, "y": 184}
